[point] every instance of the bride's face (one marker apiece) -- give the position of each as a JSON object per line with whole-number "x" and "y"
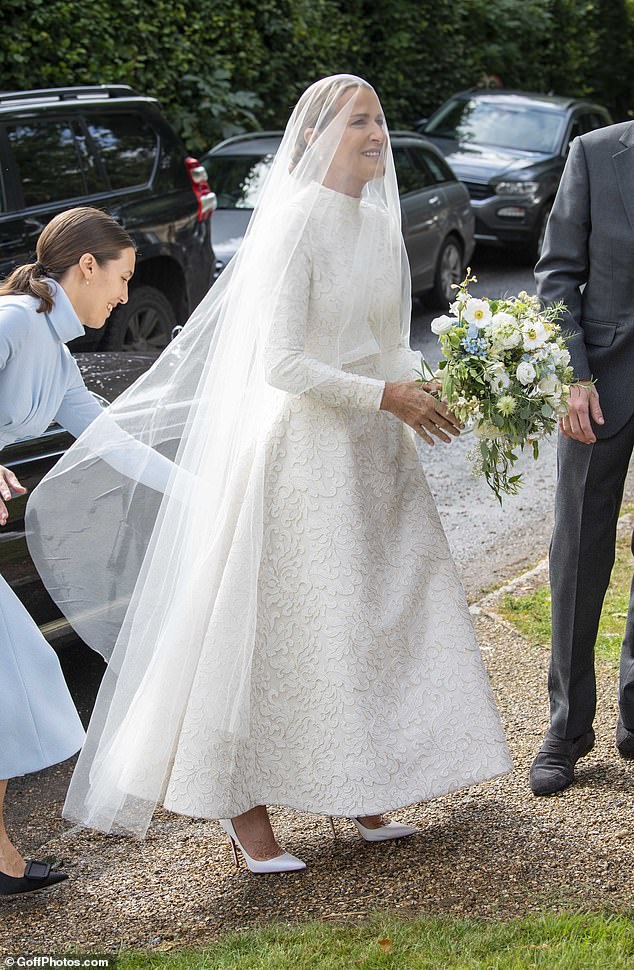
{"x": 360, "y": 154}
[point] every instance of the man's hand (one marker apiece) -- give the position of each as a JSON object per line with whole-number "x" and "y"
{"x": 428, "y": 416}
{"x": 9, "y": 487}
{"x": 582, "y": 406}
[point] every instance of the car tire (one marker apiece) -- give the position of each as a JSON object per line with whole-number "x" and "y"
{"x": 144, "y": 323}
{"x": 449, "y": 270}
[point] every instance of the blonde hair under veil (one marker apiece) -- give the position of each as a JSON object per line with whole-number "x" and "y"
{"x": 151, "y": 579}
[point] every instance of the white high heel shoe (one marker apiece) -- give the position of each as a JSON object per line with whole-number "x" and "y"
{"x": 388, "y": 831}
{"x": 281, "y": 863}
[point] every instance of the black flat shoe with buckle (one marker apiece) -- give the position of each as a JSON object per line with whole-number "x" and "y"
{"x": 37, "y": 875}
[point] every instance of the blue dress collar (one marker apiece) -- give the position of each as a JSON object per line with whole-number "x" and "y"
{"x": 62, "y": 317}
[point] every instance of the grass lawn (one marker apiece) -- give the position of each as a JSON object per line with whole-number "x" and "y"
{"x": 555, "y": 942}
{"x": 531, "y": 613}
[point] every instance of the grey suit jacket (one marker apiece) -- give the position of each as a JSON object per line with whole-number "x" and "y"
{"x": 588, "y": 262}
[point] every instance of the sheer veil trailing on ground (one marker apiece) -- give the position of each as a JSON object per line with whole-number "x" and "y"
{"x": 148, "y": 579}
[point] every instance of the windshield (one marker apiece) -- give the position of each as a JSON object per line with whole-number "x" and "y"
{"x": 499, "y": 123}
{"x": 237, "y": 180}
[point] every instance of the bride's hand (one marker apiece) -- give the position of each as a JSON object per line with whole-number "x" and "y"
{"x": 428, "y": 416}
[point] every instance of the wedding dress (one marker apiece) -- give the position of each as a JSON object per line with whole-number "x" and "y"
{"x": 287, "y": 625}
{"x": 368, "y": 689}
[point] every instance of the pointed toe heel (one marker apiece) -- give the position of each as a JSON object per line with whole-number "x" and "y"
{"x": 280, "y": 863}
{"x": 387, "y": 832}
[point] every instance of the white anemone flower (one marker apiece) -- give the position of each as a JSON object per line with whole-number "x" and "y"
{"x": 478, "y": 312}
{"x": 525, "y": 373}
{"x": 534, "y": 334}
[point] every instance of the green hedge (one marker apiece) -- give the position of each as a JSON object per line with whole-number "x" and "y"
{"x": 222, "y": 65}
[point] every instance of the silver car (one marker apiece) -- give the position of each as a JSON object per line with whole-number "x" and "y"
{"x": 438, "y": 222}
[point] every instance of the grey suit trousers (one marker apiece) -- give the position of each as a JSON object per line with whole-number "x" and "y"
{"x": 590, "y": 483}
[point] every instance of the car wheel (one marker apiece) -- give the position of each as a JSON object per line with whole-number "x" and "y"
{"x": 145, "y": 322}
{"x": 449, "y": 270}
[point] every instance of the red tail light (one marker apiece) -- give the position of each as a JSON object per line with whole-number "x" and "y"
{"x": 207, "y": 201}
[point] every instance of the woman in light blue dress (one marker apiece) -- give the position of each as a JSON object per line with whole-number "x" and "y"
{"x": 84, "y": 263}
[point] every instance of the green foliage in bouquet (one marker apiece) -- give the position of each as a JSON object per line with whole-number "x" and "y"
{"x": 506, "y": 374}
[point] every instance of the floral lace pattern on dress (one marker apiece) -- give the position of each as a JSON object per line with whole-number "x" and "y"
{"x": 368, "y": 690}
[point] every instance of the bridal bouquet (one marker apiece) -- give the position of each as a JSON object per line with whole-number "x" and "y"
{"x": 506, "y": 373}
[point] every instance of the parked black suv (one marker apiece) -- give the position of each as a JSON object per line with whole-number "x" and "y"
{"x": 509, "y": 148}
{"x": 109, "y": 147}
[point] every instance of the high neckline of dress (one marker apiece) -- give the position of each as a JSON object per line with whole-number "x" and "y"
{"x": 63, "y": 318}
{"x": 340, "y": 198}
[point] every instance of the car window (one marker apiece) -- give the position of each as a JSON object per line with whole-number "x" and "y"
{"x": 438, "y": 167}
{"x": 128, "y": 146}
{"x": 499, "y": 123}
{"x": 3, "y": 191}
{"x": 575, "y": 131}
{"x": 47, "y": 160}
{"x": 237, "y": 180}
{"x": 410, "y": 174}
{"x": 93, "y": 174}
{"x": 591, "y": 120}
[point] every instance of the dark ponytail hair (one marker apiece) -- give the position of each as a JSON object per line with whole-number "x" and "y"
{"x": 61, "y": 245}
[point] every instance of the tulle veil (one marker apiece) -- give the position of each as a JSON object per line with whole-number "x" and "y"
{"x": 150, "y": 575}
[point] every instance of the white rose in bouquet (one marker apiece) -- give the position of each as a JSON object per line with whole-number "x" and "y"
{"x": 560, "y": 356}
{"x": 498, "y": 378}
{"x": 525, "y": 372}
{"x": 550, "y": 388}
{"x": 443, "y": 324}
{"x": 502, "y": 320}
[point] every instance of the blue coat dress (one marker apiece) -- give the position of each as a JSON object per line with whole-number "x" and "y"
{"x": 39, "y": 381}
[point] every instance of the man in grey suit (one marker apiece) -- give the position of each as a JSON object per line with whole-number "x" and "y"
{"x": 588, "y": 263}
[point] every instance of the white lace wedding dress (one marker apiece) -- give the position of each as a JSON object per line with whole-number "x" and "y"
{"x": 368, "y": 690}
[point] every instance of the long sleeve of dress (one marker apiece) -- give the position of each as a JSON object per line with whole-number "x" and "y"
{"x": 290, "y": 368}
{"x": 13, "y": 332}
{"x": 123, "y": 452}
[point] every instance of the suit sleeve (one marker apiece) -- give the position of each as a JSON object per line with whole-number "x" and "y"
{"x": 563, "y": 267}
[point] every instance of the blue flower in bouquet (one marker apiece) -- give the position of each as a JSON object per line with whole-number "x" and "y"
{"x": 475, "y": 344}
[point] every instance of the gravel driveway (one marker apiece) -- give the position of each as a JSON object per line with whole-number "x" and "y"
{"x": 493, "y": 851}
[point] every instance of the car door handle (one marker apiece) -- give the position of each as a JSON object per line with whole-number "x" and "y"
{"x": 434, "y": 200}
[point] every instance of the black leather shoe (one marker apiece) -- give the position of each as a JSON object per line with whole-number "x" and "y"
{"x": 37, "y": 875}
{"x": 624, "y": 740}
{"x": 554, "y": 767}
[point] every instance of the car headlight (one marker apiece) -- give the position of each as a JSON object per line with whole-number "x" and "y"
{"x": 517, "y": 188}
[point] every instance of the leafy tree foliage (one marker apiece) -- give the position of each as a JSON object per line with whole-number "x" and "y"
{"x": 223, "y": 65}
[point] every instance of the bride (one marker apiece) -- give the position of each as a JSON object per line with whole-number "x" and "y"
{"x": 286, "y": 624}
